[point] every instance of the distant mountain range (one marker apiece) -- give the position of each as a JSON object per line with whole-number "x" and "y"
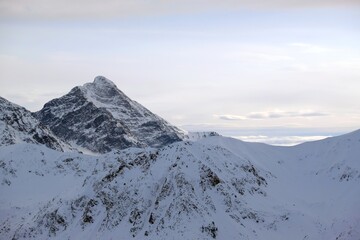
{"x": 95, "y": 164}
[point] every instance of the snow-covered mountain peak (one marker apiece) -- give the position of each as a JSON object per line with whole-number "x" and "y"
{"x": 103, "y": 86}
{"x": 101, "y": 80}
{"x": 104, "y": 93}
{"x": 99, "y": 117}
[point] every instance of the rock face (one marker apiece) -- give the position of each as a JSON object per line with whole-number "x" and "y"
{"x": 99, "y": 117}
{"x": 17, "y": 125}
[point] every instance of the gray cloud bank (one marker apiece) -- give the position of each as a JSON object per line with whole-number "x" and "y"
{"x": 84, "y": 9}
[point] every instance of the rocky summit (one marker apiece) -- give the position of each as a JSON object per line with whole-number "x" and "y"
{"x": 99, "y": 117}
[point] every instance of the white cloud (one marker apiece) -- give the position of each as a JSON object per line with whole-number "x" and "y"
{"x": 230, "y": 117}
{"x": 311, "y": 48}
{"x": 264, "y": 56}
{"x": 280, "y": 140}
{"x": 297, "y": 67}
{"x": 272, "y": 115}
{"x": 348, "y": 64}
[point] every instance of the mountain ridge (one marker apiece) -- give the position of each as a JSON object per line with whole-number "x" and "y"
{"x": 18, "y": 125}
{"x": 210, "y": 188}
{"x": 201, "y": 186}
{"x": 99, "y": 117}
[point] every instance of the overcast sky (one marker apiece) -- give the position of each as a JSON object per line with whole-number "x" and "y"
{"x": 274, "y": 71}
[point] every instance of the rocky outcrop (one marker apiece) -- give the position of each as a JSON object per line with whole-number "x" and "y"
{"x": 17, "y": 125}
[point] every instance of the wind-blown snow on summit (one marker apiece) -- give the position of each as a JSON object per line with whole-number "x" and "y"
{"x": 99, "y": 117}
{"x": 17, "y": 125}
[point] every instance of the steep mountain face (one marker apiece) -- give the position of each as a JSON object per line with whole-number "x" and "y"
{"x": 17, "y": 125}
{"x": 211, "y": 188}
{"x": 99, "y": 117}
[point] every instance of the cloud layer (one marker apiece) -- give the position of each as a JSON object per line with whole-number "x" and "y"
{"x": 272, "y": 115}
{"x": 280, "y": 140}
{"x": 80, "y": 9}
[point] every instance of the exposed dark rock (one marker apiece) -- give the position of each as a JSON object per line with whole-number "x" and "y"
{"x": 210, "y": 229}
{"x": 99, "y": 117}
{"x": 19, "y": 125}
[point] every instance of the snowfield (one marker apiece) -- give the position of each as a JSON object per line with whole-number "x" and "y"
{"x": 210, "y": 188}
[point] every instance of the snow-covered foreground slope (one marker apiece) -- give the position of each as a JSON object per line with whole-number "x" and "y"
{"x": 318, "y": 180}
{"x": 215, "y": 187}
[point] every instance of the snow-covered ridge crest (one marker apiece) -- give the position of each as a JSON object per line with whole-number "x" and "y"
{"x": 194, "y": 136}
{"x": 17, "y": 125}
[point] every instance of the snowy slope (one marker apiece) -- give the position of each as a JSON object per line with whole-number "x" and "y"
{"x": 17, "y": 125}
{"x": 99, "y": 117}
{"x": 212, "y": 188}
{"x": 176, "y": 191}
{"x": 319, "y": 180}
